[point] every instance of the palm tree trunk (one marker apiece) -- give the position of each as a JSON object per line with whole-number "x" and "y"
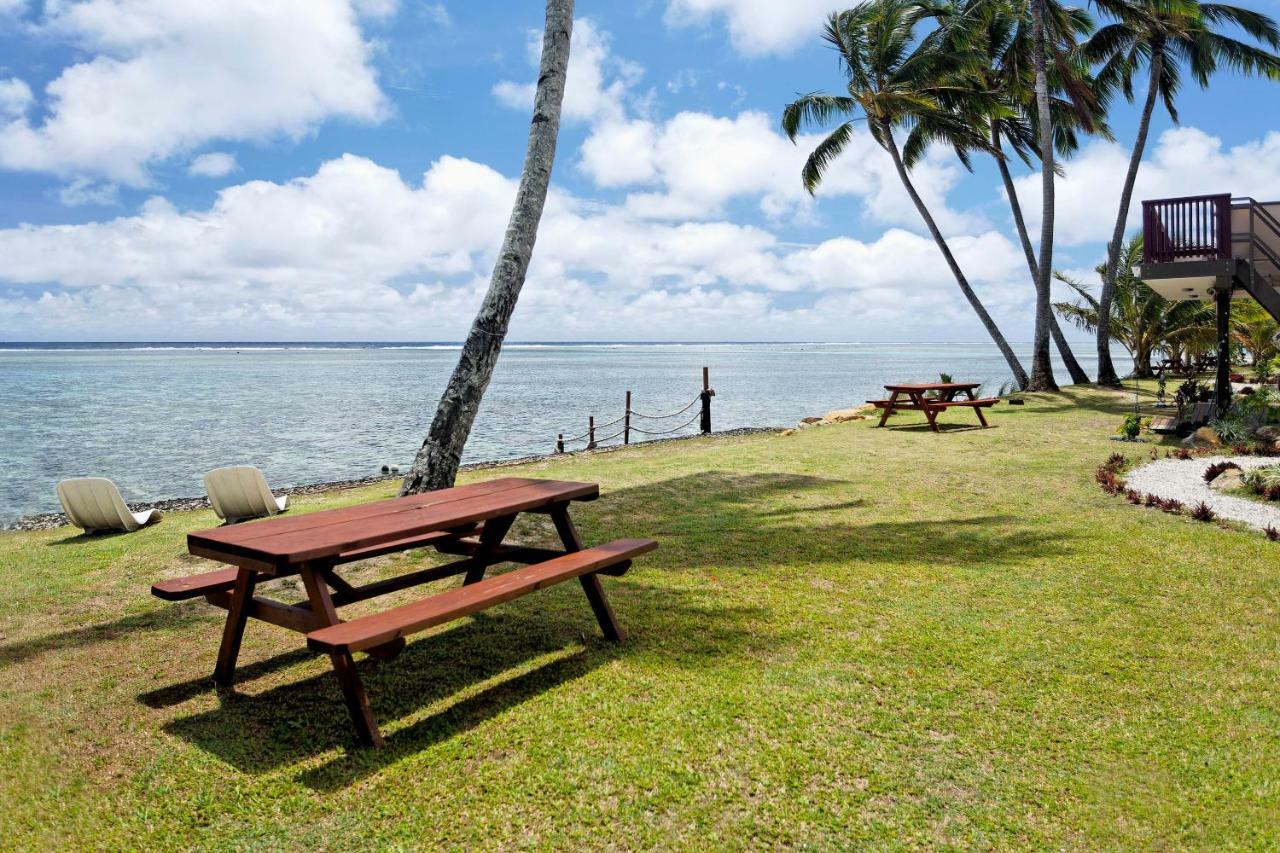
{"x": 1041, "y": 367}
{"x": 436, "y": 464}
{"x": 1078, "y": 376}
{"x": 1010, "y": 357}
{"x": 1106, "y": 370}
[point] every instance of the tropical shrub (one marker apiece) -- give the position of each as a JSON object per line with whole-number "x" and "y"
{"x": 1202, "y": 512}
{"x": 1265, "y": 369}
{"x": 1264, "y": 481}
{"x": 1130, "y": 426}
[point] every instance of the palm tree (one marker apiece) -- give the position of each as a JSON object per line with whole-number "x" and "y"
{"x": 1074, "y": 105}
{"x": 436, "y": 464}
{"x": 1253, "y": 329}
{"x": 1168, "y": 38}
{"x": 1041, "y": 368}
{"x": 898, "y": 82}
{"x": 1142, "y": 321}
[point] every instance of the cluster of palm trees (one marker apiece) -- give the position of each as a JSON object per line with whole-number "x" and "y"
{"x": 1025, "y": 79}
{"x": 1159, "y": 332}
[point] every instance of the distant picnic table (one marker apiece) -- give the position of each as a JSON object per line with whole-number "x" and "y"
{"x": 470, "y": 521}
{"x": 933, "y": 398}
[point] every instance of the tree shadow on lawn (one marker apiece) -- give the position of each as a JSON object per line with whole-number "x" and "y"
{"x": 731, "y": 519}
{"x": 160, "y": 619}
{"x": 738, "y": 515}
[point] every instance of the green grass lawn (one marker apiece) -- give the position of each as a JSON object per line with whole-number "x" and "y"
{"x": 848, "y": 636}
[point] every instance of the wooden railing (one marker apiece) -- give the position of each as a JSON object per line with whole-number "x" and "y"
{"x": 1193, "y": 227}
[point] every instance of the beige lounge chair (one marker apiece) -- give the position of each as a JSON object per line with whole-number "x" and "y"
{"x": 94, "y": 505}
{"x": 240, "y": 492}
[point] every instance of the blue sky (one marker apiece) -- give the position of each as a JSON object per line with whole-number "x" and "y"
{"x": 343, "y": 169}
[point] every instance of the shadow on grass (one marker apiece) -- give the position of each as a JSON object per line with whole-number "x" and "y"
{"x": 162, "y": 619}
{"x": 83, "y": 538}
{"x": 943, "y": 426}
{"x": 507, "y": 656}
{"x": 497, "y": 655}
{"x": 176, "y": 694}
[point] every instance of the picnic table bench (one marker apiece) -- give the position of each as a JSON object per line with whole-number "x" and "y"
{"x": 470, "y": 521}
{"x": 933, "y": 398}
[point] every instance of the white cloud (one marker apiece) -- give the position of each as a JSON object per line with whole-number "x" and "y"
{"x": 168, "y": 75}
{"x": 437, "y": 14}
{"x": 1183, "y": 161}
{"x": 756, "y": 27}
{"x": 354, "y": 250}
{"x": 620, "y": 153}
{"x": 15, "y": 98}
{"x": 214, "y": 164}
{"x": 378, "y": 8}
{"x": 87, "y": 191}
{"x": 597, "y": 86}
{"x": 698, "y": 162}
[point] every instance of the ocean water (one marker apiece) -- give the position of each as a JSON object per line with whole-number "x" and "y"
{"x": 155, "y": 417}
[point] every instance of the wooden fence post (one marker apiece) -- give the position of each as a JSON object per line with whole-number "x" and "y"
{"x": 706, "y": 396}
{"x": 560, "y": 443}
{"x": 626, "y": 422}
{"x": 591, "y": 432}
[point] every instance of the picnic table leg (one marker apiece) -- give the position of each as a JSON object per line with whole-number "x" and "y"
{"x": 233, "y": 631}
{"x": 888, "y": 410}
{"x": 495, "y": 530}
{"x": 930, "y": 413}
{"x": 344, "y": 666}
{"x": 977, "y": 409}
{"x": 591, "y": 585}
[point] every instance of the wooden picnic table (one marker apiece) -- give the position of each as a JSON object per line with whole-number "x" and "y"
{"x": 470, "y": 521}
{"x": 933, "y": 398}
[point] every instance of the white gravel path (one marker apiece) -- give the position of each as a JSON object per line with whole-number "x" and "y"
{"x": 1183, "y": 479}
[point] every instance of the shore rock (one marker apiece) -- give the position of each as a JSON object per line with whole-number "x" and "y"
{"x": 840, "y": 416}
{"x": 1203, "y": 437}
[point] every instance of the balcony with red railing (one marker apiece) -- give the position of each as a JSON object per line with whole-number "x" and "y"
{"x": 1189, "y": 228}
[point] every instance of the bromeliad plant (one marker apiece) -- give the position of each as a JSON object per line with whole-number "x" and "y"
{"x": 1211, "y": 473}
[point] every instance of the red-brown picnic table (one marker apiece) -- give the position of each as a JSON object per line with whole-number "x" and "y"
{"x": 933, "y": 398}
{"x": 470, "y": 521}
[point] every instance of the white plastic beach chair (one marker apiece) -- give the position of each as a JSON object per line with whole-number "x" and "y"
{"x": 240, "y": 492}
{"x": 94, "y": 505}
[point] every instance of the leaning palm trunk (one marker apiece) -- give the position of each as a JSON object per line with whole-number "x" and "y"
{"x": 1041, "y": 367}
{"x": 1011, "y": 358}
{"x": 436, "y": 464}
{"x": 1106, "y": 370}
{"x": 1078, "y": 376}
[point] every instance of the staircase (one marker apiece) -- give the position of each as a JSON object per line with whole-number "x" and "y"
{"x": 1255, "y": 241}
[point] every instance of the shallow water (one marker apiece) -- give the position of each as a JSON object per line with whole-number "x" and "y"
{"x": 154, "y": 418}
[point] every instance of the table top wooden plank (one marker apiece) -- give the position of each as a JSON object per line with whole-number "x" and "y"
{"x": 285, "y": 541}
{"x": 280, "y": 524}
{"x": 909, "y": 387}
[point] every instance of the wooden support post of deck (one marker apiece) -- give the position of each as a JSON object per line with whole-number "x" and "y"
{"x": 1222, "y": 387}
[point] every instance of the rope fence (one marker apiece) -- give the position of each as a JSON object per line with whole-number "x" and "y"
{"x": 593, "y": 441}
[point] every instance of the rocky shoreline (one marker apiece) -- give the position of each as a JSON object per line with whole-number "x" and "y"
{"x": 50, "y": 520}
